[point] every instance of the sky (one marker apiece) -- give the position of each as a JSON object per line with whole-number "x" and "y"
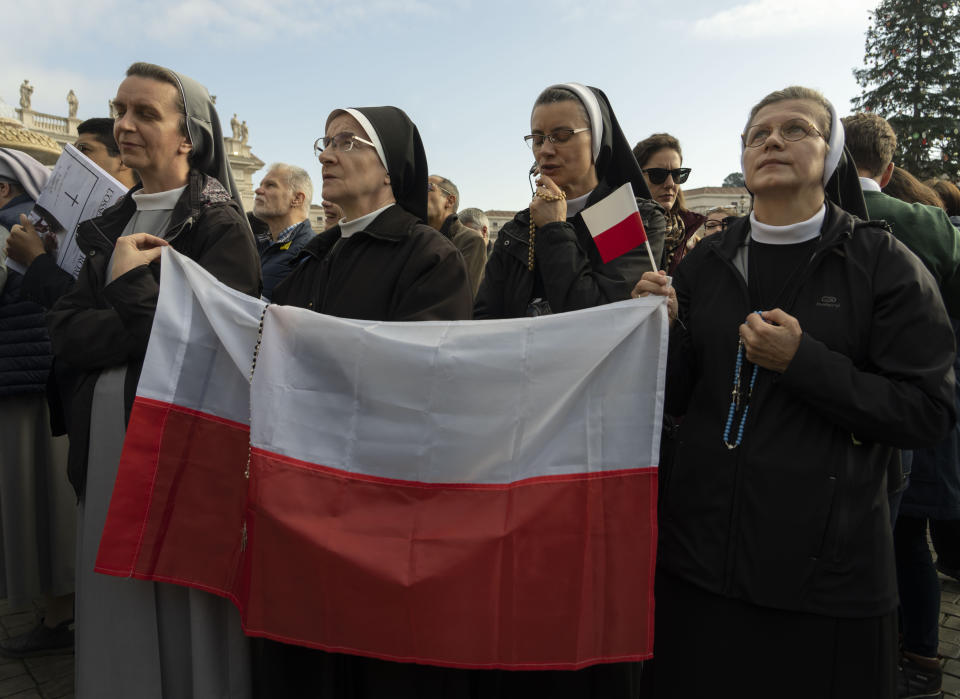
{"x": 466, "y": 71}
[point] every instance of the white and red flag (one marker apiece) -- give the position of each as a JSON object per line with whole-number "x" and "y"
{"x": 615, "y": 223}
{"x": 464, "y": 494}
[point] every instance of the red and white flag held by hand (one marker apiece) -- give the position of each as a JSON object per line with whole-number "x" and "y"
{"x": 615, "y": 223}
{"x": 463, "y": 494}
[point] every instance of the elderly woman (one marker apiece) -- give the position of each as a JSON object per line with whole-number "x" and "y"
{"x": 379, "y": 262}
{"x": 544, "y": 260}
{"x": 812, "y": 346}
{"x": 661, "y": 159}
{"x": 135, "y": 638}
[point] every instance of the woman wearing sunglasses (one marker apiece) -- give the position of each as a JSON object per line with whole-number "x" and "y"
{"x": 660, "y": 158}
{"x": 810, "y": 348}
{"x": 544, "y": 260}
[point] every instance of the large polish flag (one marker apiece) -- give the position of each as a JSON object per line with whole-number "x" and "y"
{"x": 615, "y": 223}
{"x": 464, "y": 494}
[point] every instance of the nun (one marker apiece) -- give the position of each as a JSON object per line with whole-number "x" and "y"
{"x": 381, "y": 261}
{"x": 134, "y": 638}
{"x": 809, "y": 346}
{"x": 544, "y": 260}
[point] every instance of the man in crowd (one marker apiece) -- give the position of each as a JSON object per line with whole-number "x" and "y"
{"x": 282, "y": 202}
{"x": 95, "y": 140}
{"x": 477, "y": 220}
{"x": 443, "y": 198}
{"x": 926, "y": 230}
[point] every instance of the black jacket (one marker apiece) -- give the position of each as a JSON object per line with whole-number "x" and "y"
{"x": 96, "y": 326}
{"x": 276, "y": 259}
{"x": 569, "y": 266}
{"x": 25, "y": 357}
{"x": 796, "y": 517}
{"x": 396, "y": 269}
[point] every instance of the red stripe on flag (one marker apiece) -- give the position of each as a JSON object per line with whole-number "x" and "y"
{"x": 179, "y": 499}
{"x": 552, "y": 573}
{"x": 621, "y": 238}
{"x": 548, "y": 573}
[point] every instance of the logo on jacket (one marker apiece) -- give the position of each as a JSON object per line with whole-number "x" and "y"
{"x": 829, "y": 302}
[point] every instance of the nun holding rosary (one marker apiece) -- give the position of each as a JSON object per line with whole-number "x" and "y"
{"x": 808, "y": 347}
{"x": 545, "y": 260}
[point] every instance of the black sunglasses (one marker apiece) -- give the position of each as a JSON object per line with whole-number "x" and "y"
{"x": 658, "y": 175}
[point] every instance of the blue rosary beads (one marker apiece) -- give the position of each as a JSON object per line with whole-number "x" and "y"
{"x": 735, "y": 398}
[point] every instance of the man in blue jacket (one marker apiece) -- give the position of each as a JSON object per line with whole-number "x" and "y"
{"x": 282, "y": 202}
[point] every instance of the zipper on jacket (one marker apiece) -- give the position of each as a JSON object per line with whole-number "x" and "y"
{"x": 759, "y": 390}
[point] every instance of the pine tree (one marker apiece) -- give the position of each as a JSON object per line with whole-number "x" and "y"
{"x": 911, "y": 77}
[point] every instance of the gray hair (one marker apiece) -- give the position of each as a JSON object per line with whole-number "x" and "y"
{"x": 450, "y": 187}
{"x": 297, "y": 179}
{"x": 474, "y": 215}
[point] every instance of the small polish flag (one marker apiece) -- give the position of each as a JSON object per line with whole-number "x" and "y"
{"x": 615, "y": 223}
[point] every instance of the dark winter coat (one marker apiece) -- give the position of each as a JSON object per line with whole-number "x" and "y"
{"x": 396, "y": 269}
{"x": 934, "y": 488}
{"x": 277, "y": 258}
{"x": 25, "y": 356}
{"x": 571, "y": 272}
{"x": 98, "y": 325}
{"x": 796, "y": 517}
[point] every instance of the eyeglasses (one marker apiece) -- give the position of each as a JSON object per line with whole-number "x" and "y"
{"x": 341, "y": 142}
{"x": 658, "y": 175}
{"x": 535, "y": 140}
{"x": 713, "y": 224}
{"x": 790, "y": 130}
{"x": 431, "y": 187}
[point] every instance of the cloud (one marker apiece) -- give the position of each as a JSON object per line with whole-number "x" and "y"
{"x": 210, "y": 21}
{"x": 773, "y": 19}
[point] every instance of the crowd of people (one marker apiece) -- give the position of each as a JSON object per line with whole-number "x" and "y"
{"x": 810, "y": 432}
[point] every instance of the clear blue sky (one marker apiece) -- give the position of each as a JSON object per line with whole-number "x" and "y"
{"x": 466, "y": 71}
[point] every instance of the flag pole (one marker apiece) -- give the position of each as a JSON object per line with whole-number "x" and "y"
{"x": 653, "y": 264}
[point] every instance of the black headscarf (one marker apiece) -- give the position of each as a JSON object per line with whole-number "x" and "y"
{"x": 398, "y": 141}
{"x": 843, "y": 187}
{"x": 612, "y": 155}
{"x": 206, "y": 138}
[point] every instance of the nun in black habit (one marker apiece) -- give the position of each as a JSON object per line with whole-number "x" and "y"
{"x": 553, "y": 266}
{"x": 812, "y": 346}
{"x": 381, "y": 261}
{"x": 135, "y": 638}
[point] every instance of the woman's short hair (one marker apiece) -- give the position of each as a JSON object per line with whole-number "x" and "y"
{"x": 727, "y": 211}
{"x": 906, "y": 187}
{"x": 798, "y": 92}
{"x": 948, "y": 192}
{"x": 141, "y": 69}
{"x": 645, "y": 149}
{"x": 552, "y": 95}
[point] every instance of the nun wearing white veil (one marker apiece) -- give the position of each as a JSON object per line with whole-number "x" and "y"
{"x": 810, "y": 346}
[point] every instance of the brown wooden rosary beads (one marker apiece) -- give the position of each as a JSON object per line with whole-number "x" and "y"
{"x": 533, "y": 226}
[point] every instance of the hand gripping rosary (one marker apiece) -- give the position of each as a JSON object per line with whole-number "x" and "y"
{"x": 533, "y": 227}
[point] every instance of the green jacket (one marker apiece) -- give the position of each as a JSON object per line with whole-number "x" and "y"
{"x": 927, "y": 231}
